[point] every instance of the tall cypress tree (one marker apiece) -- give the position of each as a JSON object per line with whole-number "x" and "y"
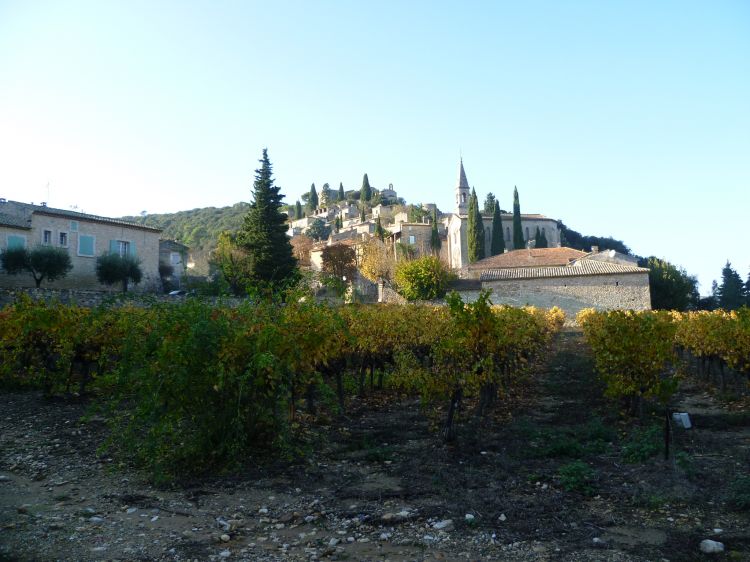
{"x": 747, "y": 290}
{"x": 537, "y": 237}
{"x": 498, "y": 240}
{"x": 365, "y": 193}
{"x": 312, "y": 201}
{"x": 543, "y": 243}
{"x": 342, "y": 195}
{"x": 475, "y": 230}
{"x": 362, "y": 216}
{"x": 379, "y": 230}
{"x": 518, "y": 241}
{"x": 297, "y": 210}
{"x": 263, "y": 233}
{"x": 435, "y": 241}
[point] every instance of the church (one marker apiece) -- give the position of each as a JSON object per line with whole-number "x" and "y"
{"x": 456, "y": 224}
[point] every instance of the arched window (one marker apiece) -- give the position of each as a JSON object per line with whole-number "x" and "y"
{"x": 463, "y": 198}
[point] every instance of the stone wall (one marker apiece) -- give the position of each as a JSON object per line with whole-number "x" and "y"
{"x": 90, "y": 299}
{"x": 572, "y": 294}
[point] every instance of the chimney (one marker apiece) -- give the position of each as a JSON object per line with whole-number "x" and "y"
{"x": 594, "y": 249}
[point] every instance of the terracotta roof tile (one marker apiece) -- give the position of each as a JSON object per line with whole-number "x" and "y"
{"x": 579, "y": 269}
{"x": 535, "y": 257}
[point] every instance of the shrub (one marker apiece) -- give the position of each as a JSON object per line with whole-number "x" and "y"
{"x": 424, "y": 278}
{"x": 114, "y": 268}
{"x": 576, "y": 476}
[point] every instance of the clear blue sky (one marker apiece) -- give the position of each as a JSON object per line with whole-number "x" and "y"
{"x": 629, "y": 119}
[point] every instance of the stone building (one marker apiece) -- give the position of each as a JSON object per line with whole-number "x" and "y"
{"x": 456, "y": 225}
{"x": 85, "y": 237}
{"x": 584, "y": 283}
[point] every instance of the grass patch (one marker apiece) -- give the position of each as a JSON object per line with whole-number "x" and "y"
{"x": 642, "y": 444}
{"x": 739, "y": 493}
{"x": 574, "y": 442}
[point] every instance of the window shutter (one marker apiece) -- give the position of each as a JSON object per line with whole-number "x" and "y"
{"x": 132, "y": 249}
{"x": 113, "y": 247}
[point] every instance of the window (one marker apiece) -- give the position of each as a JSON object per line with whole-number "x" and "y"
{"x": 123, "y": 247}
{"x": 15, "y": 241}
{"x": 46, "y": 237}
{"x": 63, "y": 239}
{"x": 463, "y": 198}
{"x": 507, "y": 233}
{"x": 412, "y": 239}
{"x": 86, "y": 245}
{"x": 175, "y": 258}
{"x": 74, "y": 226}
{"x": 527, "y": 233}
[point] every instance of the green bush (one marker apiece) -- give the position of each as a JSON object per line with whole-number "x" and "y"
{"x": 739, "y": 493}
{"x": 642, "y": 444}
{"x": 424, "y": 278}
{"x": 576, "y": 476}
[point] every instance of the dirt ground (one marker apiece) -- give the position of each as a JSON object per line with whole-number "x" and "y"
{"x": 382, "y": 486}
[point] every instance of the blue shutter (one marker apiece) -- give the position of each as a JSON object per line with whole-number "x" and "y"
{"x": 132, "y": 249}
{"x": 113, "y": 249}
{"x": 14, "y": 241}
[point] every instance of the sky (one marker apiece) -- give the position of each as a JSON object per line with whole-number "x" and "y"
{"x": 622, "y": 118}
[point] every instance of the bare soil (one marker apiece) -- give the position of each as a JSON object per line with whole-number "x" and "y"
{"x": 380, "y": 485}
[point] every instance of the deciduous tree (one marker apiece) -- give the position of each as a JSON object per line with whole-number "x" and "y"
{"x": 43, "y": 263}
{"x": 377, "y": 261}
{"x": 114, "y": 268}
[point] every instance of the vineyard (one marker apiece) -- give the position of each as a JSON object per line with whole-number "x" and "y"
{"x": 531, "y": 438}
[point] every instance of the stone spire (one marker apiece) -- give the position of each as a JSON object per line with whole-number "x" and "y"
{"x": 463, "y": 191}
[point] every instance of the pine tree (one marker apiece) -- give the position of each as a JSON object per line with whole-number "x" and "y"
{"x": 342, "y": 195}
{"x": 475, "y": 230}
{"x": 312, "y": 200}
{"x": 732, "y": 289}
{"x": 498, "y": 240}
{"x": 518, "y": 241}
{"x": 263, "y": 233}
{"x": 435, "y": 241}
{"x": 365, "y": 193}
{"x": 298, "y": 214}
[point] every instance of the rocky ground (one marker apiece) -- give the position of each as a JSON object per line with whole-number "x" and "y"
{"x": 381, "y": 486}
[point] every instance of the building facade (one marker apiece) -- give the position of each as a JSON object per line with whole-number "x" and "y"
{"x": 456, "y": 225}
{"x": 85, "y": 237}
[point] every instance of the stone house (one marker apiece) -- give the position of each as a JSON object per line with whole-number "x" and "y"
{"x": 174, "y": 255}
{"x": 85, "y": 237}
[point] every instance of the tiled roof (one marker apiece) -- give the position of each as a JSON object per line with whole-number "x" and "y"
{"x": 52, "y": 212}
{"x": 14, "y": 221}
{"x": 535, "y": 257}
{"x": 578, "y": 269}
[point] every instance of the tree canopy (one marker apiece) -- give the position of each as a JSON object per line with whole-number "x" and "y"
{"x": 112, "y": 269}
{"x": 731, "y": 291}
{"x": 43, "y": 263}
{"x": 263, "y": 234}
{"x": 489, "y": 204}
{"x": 670, "y": 286}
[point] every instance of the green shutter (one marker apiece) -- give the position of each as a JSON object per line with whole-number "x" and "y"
{"x": 113, "y": 248}
{"x": 16, "y": 241}
{"x": 85, "y": 245}
{"x": 132, "y": 249}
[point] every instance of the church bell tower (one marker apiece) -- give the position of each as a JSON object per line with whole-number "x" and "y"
{"x": 462, "y": 191}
